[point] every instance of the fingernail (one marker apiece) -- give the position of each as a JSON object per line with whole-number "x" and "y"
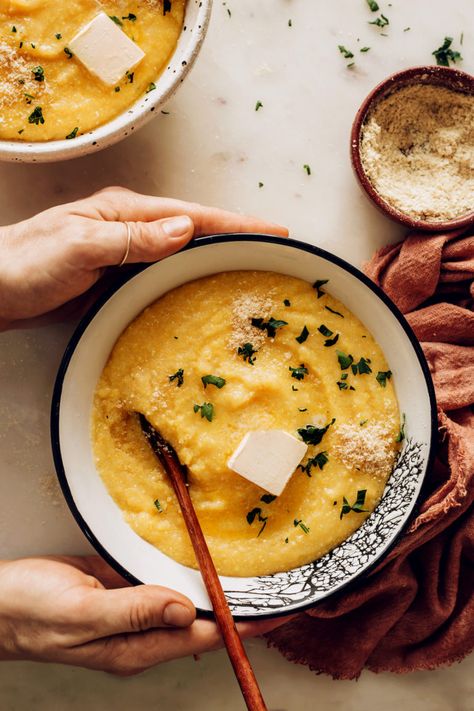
{"x": 177, "y": 227}
{"x": 177, "y": 615}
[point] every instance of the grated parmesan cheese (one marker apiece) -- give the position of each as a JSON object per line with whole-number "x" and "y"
{"x": 18, "y": 77}
{"x": 368, "y": 448}
{"x": 417, "y": 149}
{"x": 245, "y": 308}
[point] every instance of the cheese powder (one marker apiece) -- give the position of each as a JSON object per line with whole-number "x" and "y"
{"x": 417, "y": 149}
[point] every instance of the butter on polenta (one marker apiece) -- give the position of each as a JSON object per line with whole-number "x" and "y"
{"x": 241, "y": 352}
{"x": 46, "y": 93}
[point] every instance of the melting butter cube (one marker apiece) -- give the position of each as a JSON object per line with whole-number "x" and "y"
{"x": 105, "y": 50}
{"x": 268, "y": 458}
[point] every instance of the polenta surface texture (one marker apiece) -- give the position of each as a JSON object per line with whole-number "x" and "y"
{"x": 238, "y": 352}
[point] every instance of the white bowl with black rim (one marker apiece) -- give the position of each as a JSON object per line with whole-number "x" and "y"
{"x": 101, "y": 519}
{"x": 196, "y": 22}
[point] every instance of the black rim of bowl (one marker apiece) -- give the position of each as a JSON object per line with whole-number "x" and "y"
{"x": 195, "y": 244}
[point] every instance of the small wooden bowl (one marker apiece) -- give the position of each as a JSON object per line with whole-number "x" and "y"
{"x": 439, "y": 76}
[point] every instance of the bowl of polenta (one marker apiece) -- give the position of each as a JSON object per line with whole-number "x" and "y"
{"x": 293, "y": 391}
{"x": 76, "y": 77}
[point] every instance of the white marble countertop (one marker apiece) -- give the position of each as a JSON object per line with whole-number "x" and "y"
{"x": 215, "y": 148}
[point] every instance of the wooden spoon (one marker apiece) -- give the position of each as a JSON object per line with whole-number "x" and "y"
{"x": 235, "y": 649}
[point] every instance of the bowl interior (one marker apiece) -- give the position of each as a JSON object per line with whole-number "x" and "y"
{"x": 99, "y": 516}
{"x": 436, "y": 75}
{"x": 196, "y": 21}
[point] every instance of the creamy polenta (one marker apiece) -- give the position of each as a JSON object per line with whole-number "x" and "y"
{"x": 45, "y": 92}
{"x": 238, "y": 352}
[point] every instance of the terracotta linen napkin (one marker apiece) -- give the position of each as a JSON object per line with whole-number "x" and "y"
{"x": 416, "y": 609}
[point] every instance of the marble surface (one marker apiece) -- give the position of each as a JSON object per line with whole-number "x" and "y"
{"x": 215, "y": 148}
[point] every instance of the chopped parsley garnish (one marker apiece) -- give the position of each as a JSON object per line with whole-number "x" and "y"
{"x": 151, "y": 87}
{"x": 13, "y": 28}
{"x": 117, "y": 89}
{"x": 362, "y": 423}
{"x": 158, "y": 505}
{"x": 401, "y": 435}
{"x": 58, "y": 36}
{"x": 116, "y": 19}
{"x": 131, "y": 17}
{"x": 381, "y": 21}
{"x": 166, "y": 6}
{"x": 256, "y": 513}
{"x": 36, "y": 116}
{"x": 343, "y": 385}
{"x": 178, "y": 376}
{"x": 287, "y": 302}
{"x": 318, "y": 461}
{"x": 68, "y": 53}
{"x": 331, "y": 341}
{"x": 303, "y": 335}
{"x": 334, "y": 312}
{"x": 38, "y": 73}
{"x": 303, "y": 526}
{"x": 312, "y": 434}
{"x": 286, "y": 540}
{"x": 130, "y": 76}
{"x": 73, "y": 133}
{"x": 362, "y": 367}
{"x": 207, "y": 410}
{"x": 307, "y": 168}
{"x": 299, "y": 372}
{"x": 302, "y": 409}
{"x": 294, "y": 389}
{"x": 445, "y": 54}
{"x": 373, "y": 5}
{"x": 325, "y": 331}
{"x": 247, "y": 352}
{"x": 382, "y": 377}
{"x": 213, "y": 380}
{"x": 345, "y": 361}
{"x": 346, "y": 53}
{"x": 268, "y": 498}
{"x": 269, "y": 326}
{"x": 318, "y": 284}
{"x": 258, "y": 105}
{"x": 356, "y": 506}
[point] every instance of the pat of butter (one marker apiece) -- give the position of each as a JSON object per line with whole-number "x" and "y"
{"x": 268, "y": 458}
{"x": 105, "y": 50}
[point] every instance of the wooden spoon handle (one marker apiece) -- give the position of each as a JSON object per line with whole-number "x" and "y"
{"x": 237, "y": 654}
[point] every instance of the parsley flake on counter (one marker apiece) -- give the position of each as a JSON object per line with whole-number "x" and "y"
{"x": 73, "y": 133}
{"x": 445, "y": 54}
{"x": 36, "y": 116}
{"x": 303, "y": 526}
{"x": 290, "y": 24}
{"x": 260, "y": 185}
{"x": 258, "y": 105}
{"x": 312, "y": 434}
{"x": 213, "y": 380}
{"x": 345, "y": 361}
{"x": 207, "y": 410}
{"x": 158, "y": 505}
{"x": 299, "y": 372}
{"x": 303, "y": 335}
{"x": 364, "y": 49}
{"x": 318, "y": 284}
{"x": 356, "y": 506}
{"x": 178, "y": 376}
{"x": 373, "y": 5}
{"x": 247, "y": 352}
{"x": 318, "y": 461}
{"x": 382, "y": 377}
{"x": 269, "y": 326}
{"x": 381, "y": 21}
{"x": 307, "y": 168}
{"x": 346, "y": 53}
{"x": 38, "y": 73}
{"x": 401, "y": 435}
{"x": 256, "y": 513}
{"x": 328, "y": 308}
{"x": 362, "y": 367}
{"x": 268, "y": 498}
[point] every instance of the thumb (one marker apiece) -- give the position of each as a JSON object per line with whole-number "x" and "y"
{"x": 109, "y": 612}
{"x": 149, "y": 241}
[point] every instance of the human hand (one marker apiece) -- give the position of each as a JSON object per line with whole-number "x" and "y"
{"x": 79, "y": 611}
{"x": 60, "y": 253}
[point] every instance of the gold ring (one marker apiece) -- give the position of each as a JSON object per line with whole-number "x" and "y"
{"x": 129, "y": 242}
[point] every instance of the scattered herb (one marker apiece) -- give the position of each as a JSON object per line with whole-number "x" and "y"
{"x": 363, "y": 422}
{"x": 312, "y": 434}
{"x": 318, "y": 461}
{"x": 73, "y": 133}
{"x": 151, "y": 87}
{"x": 331, "y": 341}
{"x": 346, "y": 53}
{"x": 373, "y": 5}
{"x": 290, "y": 24}
{"x": 307, "y": 168}
{"x": 256, "y": 513}
{"x": 381, "y": 21}
{"x": 362, "y": 367}
{"x": 364, "y": 49}
{"x": 286, "y": 540}
{"x": 461, "y": 39}
{"x": 213, "y": 380}
{"x": 258, "y": 105}
{"x": 407, "y": 29}
{"x": 356, "y": 506}
{"x": 130, "y": 76}
{"x": 287, "y": 302}
{"x": 445, "y": 54}
{"x": 334, "y": 312}
{"x": 158, "y": 505}
{"x": 318, "y": 284}
{"x": 13, "y": 28}
{"x": 352, "y": 64}
{"x": 207, "y": 410}
{"x": 303, "y": 526}
{"x": 36, "y": 116}
{"x": 345, "y": 361}
{"x": 178, "y": 376}
{"x": 325, "y": 330}
{"x": 267, "y": 498}
{"x": 166, "y": 6}
{"x": 382, "y": 377}
{"x": 38, "y": 73}
{"x": 269, "y": 326}
{"x": 303, "y": 335}
{"x": 230, "y": 15}
{"x": 58, "y": 36}
{"x": 401, "y": 435}
{"x": 68, "y": 53}
{"x": 302, "y": 409}
{"x": 131, "y": 17}
{"x": 343, "y": 385}
{"x": 116, "y": 19}
{"x": 260, "y": 185}
{"x": 117, "y": 89}
{"x": 299, "y": 372}
{"x": 247, "y": 352}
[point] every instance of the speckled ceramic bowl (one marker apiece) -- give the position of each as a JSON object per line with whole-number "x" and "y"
{"x": 439, "y": 76}
{"x": 196, "y": 21}
{"x": 101, "y": 519}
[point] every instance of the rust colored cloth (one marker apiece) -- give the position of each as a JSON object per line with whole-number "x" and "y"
{"x": 416, "y": 609}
